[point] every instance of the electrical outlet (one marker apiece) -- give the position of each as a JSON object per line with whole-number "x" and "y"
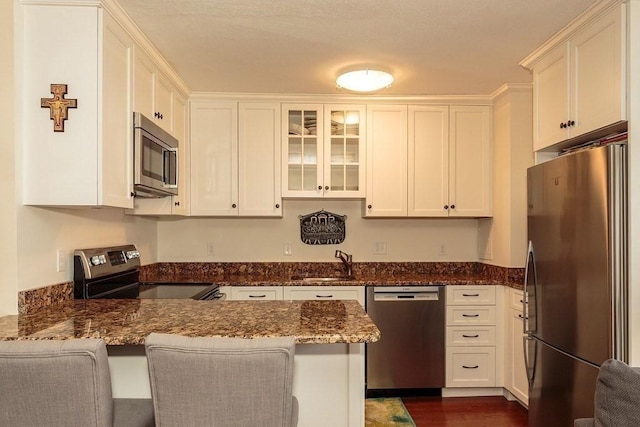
{"x": 380, "y": 247}
{"x": 61, "y": 260}
{"x": 443, "y": 249}
{"x": 211, "y": 249}
{"x": 287, "y": 249}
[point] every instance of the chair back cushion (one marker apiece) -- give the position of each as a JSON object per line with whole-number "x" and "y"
{"x": 221, "y": 381}
{"x": 617, "y": 398}
{"x": 55, "y": 383}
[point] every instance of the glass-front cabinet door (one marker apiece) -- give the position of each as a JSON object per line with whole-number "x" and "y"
{"x": 302, "y": 150}
{"x": 344, "y": 169}
{"x": 323, "y": 150}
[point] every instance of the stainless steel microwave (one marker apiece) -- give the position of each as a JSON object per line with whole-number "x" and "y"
{"x": 155, "y": 159}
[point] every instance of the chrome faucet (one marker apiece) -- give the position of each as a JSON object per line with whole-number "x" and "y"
{"x": 346, "y": 260}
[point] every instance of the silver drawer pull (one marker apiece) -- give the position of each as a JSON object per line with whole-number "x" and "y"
{"x": 324, "y": 296}
{"x": 470, "y": 295}
{"x": 470, "y": 315}
{"x": 257, "y": 296}
{"x": 522, "y": 317}
{"x": 470, "y": 336}
{"x": 470, "y": 367}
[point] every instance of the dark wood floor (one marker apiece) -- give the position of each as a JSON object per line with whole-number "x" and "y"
{"x": 465, "y": 412}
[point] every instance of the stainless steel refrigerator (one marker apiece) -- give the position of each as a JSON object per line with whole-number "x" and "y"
{"x": 576, "y": 280}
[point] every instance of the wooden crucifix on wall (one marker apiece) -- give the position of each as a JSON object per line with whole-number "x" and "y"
{"x": 58, "y": 106}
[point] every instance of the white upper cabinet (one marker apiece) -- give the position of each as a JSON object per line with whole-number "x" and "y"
{"x": 235, "y": 159}
{"x": 386, "y": 161}
{"x": 214, "y": 158}
{"x": 153, "y": 93}
{"x": 428, "y": 171}
{"x": 470, "y": 162}
{"x": 344, "y": 150}
{"x": 259, "y": 159}
{"x": 429, "y": 161}
{"x": 90, "y": 162}
{"x": 579, "y": 83}
{"x": 323, "y": 149}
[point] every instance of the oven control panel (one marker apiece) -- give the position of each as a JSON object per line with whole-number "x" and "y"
{"x": 98, "y": 262}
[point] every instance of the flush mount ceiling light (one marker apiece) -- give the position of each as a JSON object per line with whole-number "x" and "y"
{"x": 364, "y": 80}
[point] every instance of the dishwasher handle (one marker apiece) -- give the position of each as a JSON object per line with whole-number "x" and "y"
{"x": 409, "y": 293}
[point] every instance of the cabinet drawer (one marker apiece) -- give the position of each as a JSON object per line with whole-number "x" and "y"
{"x": 471, "y": 367}
{"x": 516, "y": 299}
{"x": 472, "y": 336}
{"x": 480, "y": 315}
{"x": 257, "y": 293}
{"x": 324, "y": 293}
{"x": 471, "y": 295}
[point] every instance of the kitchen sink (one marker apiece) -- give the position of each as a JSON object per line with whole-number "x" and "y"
{"x": 323, "y": 279}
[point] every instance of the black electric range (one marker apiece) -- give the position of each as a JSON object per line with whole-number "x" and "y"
{"x": 114, "y": 272}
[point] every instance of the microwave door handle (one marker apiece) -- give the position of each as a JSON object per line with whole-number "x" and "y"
{"x": 167, "y": 168}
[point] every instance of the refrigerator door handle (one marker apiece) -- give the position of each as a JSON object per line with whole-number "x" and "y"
{"x": 530, "y": 368}
{"x": 530, "y": 270}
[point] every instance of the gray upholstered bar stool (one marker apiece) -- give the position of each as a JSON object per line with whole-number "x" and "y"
{"x": 63, "y": 383}
{"x": 222, "y": 382}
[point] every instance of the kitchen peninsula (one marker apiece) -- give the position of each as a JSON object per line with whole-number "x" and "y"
{"x": 329, "y": 364}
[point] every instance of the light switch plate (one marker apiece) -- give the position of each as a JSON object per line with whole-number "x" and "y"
{"x": 380, "y": 247}
{"x": 61, "y": 260}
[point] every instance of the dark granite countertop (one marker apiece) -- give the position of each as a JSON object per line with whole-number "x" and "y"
{"x": 365, "y": 274}
{"x": 122, "y": 322}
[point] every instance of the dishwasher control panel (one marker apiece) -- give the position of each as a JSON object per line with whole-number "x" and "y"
{"x": 403, "y": 293}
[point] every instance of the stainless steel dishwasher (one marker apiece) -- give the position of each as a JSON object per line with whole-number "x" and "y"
{"x": 410, "y": 353}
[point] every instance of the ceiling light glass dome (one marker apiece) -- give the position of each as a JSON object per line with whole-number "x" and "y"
{"x": 364, "y": 80}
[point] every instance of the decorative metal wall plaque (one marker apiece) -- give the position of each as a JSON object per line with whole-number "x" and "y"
{"x": 58, "y": 106}
{"x": 322, "y": 228}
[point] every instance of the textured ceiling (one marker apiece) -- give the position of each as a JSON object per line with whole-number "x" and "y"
{"x": 433, "y": 47}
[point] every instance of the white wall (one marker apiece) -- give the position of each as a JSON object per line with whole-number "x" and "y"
{"x": 44, "y": 231}
{"x": 503, "y": 238}
{"x": 8, "y": 233}
{"x": 263, "y": 240}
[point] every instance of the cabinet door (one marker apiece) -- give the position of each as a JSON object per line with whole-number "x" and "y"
{"x": 470, "y": 162}
{"x": 214, "y": 158}
{"x": 259, "y": 159}
{"x": 471, "y": 367}
{"x": 143, "y": 76}
{"x": 181, "y": 201}
{"x": 518, "y": 384}
{"x": 163, "y": 101}
{"x": 428, "y": 161}
{"x": 597, "y": 75}
{"x": 344, "y": 150}
{"x": 551, "y": 98}
{"x": 386, "y": 161}
{"x": 302, "y": 153}
{"x": 116, "y": 154}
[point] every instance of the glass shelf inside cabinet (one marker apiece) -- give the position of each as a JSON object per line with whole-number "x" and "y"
{"x": 345, "y": 150}
{"x": 302, "y": 150}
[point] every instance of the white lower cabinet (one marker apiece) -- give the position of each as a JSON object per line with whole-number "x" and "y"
{"x": 515, "y": 373}
{"x": 471, "y": 338}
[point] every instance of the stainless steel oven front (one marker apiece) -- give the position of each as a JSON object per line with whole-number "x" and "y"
{"x": 155, "y": 159}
